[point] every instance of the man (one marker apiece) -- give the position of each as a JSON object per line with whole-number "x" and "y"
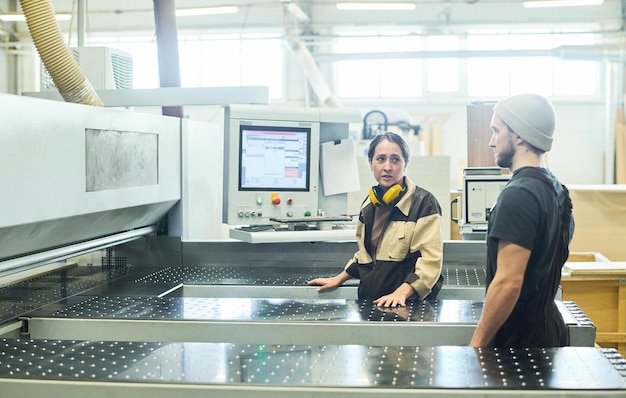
{"x": 529, "y": 230}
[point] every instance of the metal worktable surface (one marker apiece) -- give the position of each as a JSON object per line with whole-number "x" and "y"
{"x": 66, "y": 368}
{"x": 155, "y": 264}
{"x": 136, "y": 302}
{"x": 223, "y": 279}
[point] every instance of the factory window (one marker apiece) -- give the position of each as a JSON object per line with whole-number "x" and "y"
{"x": 392, "y": 65}
{"x": 221, "y": 61}
{"x": 575, "y": 78}
{"x": 210, "y": 61}
{"x": 488, "y": 77}
{"x": 442, "y": 73}
{"x": 529, "y": 61}
{"x": 383, "y": 75}
{"x": 532, "y": 74}
{"x": 492, "y": 63}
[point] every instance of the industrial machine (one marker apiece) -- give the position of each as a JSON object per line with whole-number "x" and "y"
{"x": 99, "y": 292}
{"x": 481, "y": 187}
{"x": 83, "y": 177}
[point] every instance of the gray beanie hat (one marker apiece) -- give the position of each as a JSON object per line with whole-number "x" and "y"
{"x": 530, "y": 116}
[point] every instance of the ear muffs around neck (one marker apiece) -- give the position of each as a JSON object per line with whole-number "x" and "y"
{"x": 378, "y": 197}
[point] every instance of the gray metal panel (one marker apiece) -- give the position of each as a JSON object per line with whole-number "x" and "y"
{"x": 269, "y": 321}
{"x": 198, "y": 215}
{"x": 152, "y": 251}
{"x": 120, "y": 159}
{"x": 302, "y": 292}
{"x": 465, "y": 252}
{"x": 332, "y": 253}
{"x": 573, "y": 315}
{"x": 431, "y": 334}
{"x": 252, "y": 321}
{"x": 44, "y": 171}
{"x": 258, "y": 255}
{"x": 470, "y": 254}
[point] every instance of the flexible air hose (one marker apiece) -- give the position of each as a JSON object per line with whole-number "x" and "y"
{"x": 313, "y": 74}
{"x": 56, "y": 57}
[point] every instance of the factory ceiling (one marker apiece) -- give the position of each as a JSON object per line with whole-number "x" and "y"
{"x": 321, "y": 16}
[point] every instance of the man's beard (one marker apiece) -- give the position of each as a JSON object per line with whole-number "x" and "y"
{"x": 505, "y": 157}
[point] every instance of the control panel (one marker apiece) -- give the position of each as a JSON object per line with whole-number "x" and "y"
{"x": 268, "y": 205}
{"x": 271, "y": 163}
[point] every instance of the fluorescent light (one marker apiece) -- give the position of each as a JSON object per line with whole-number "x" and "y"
{"x": 376, "y": 6}
{"x": 561, "y": 3}
{"x": 190, "y": 12}
{"x": 22, "y": 18}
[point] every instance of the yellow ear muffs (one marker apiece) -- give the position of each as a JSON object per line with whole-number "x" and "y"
{"x": 392, "y": 193}
{"x": 378, "y": 198}
{"x": 374, "y": 197}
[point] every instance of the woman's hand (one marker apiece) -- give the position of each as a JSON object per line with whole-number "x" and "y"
{"x": 329, "y": 283}
{"x": 397, "y": 298}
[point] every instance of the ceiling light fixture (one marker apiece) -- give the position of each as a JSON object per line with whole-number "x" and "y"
{"x": 21, "y": 18}
{"x": 376, "y": 6}
{"x": 192, "y": 12}
{"x": 561, "y": 3}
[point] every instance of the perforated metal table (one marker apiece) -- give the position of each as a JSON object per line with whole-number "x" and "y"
{"x": 113, "y": 368}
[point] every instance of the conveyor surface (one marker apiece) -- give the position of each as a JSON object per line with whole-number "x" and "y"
{"x": 302, "y": 370}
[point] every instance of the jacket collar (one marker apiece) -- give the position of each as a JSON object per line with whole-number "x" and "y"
{"x": 404, "y": 204}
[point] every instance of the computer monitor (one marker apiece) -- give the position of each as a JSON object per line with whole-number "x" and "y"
{"x": 274, "y": 158}
{"x": 271, "y": 163}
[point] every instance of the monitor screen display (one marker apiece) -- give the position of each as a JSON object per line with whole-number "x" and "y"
{"x": 274, "y": 158}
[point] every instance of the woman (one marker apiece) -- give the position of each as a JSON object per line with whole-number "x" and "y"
{"x": 399, "y": 233}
